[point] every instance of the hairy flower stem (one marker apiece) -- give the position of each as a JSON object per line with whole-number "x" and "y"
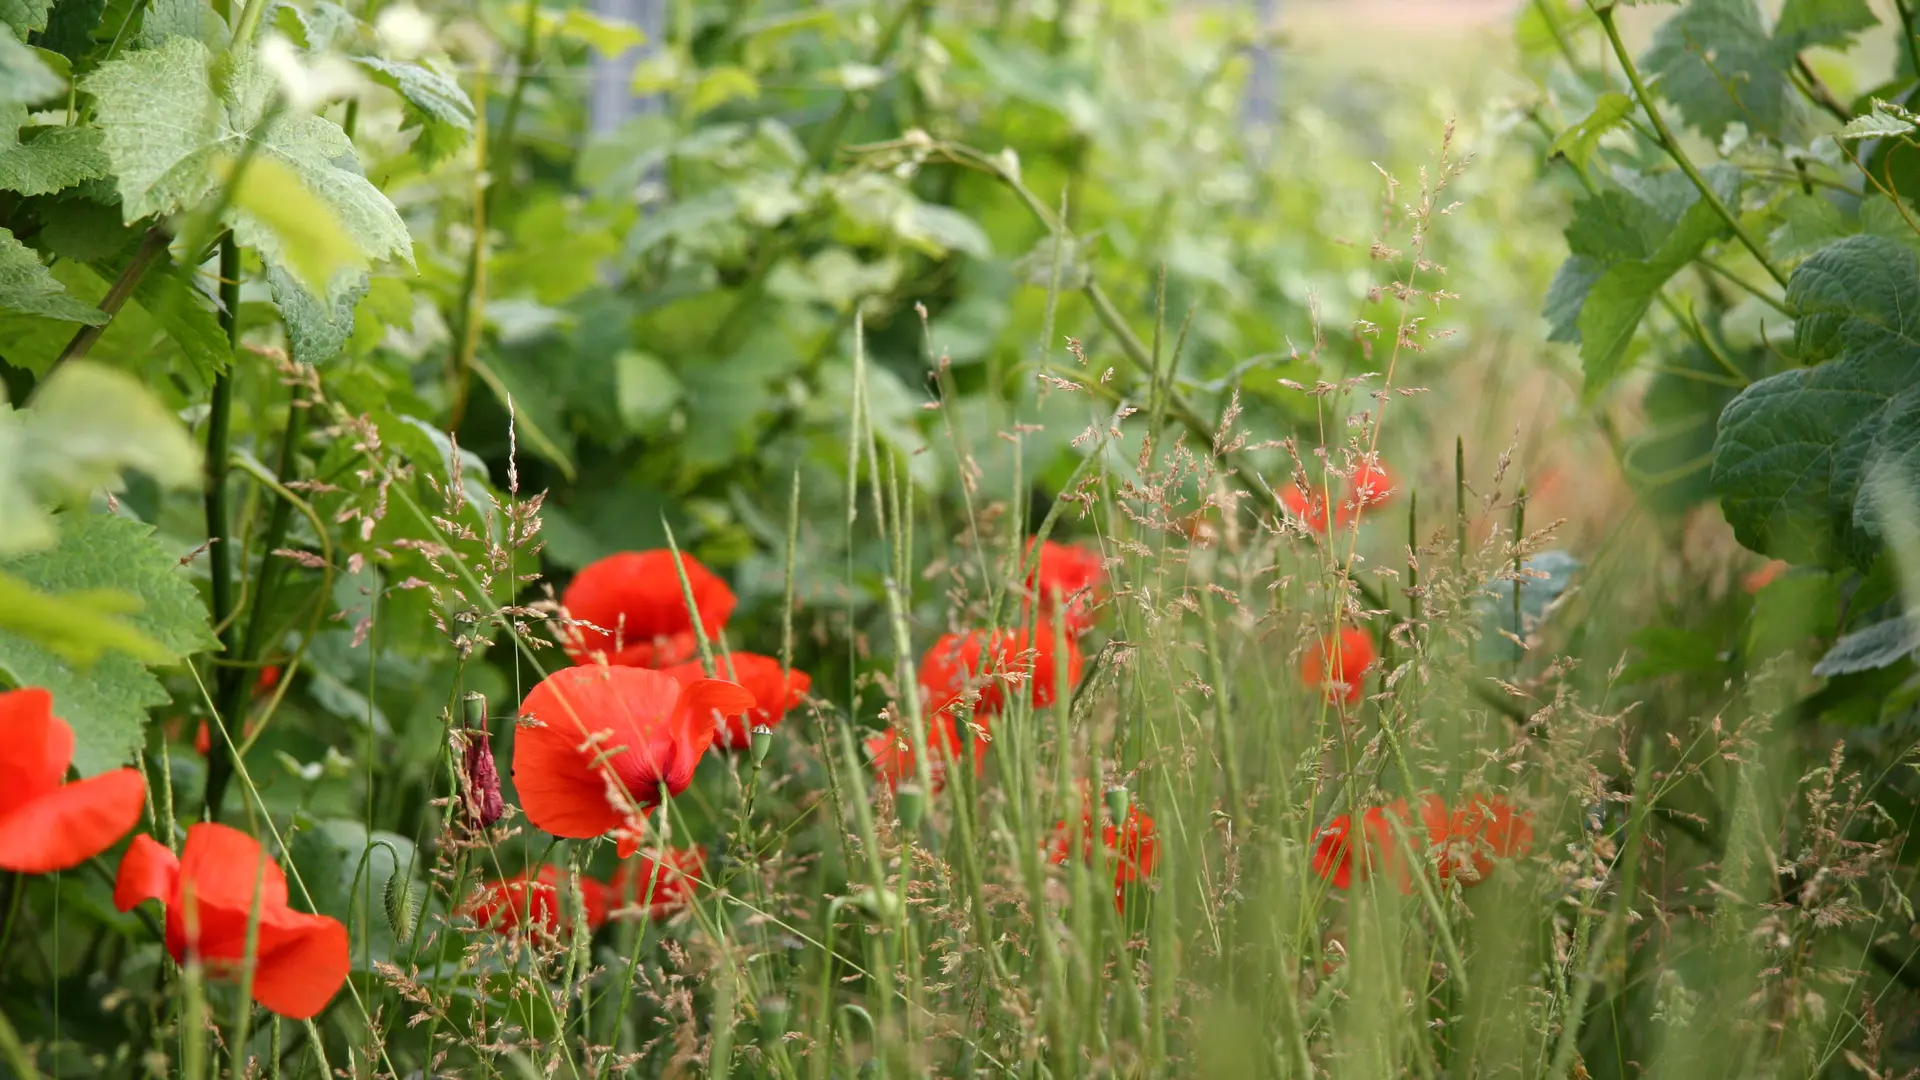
{"x": 219, "y": 534}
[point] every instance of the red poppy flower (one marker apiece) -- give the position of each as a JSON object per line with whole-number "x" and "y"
{"x": 268, "y": 678}
{"x": 1309, "y": 509}
{"x": 982, "y": 661}
{"x": 674, "y": 878}
{"x": 1135, "y": 845}
{"x": 638, "y": 614}
{"x": 894, "y": 763}
{"x": 773, "y": 694}
{"x": 1069, "y": 574}
{"x": 1370, "y": 486}
{"x": 46, "y": 824}
{"x": 1764, "y": 576}
{"x": 300, "y": 960}
{"x": 1487, "y": 828}
{"x": 1339, "y": 665}
{"x": 596, "y": 746}
{"x": 203, "y": 736}
{"x": 535, "y": 901}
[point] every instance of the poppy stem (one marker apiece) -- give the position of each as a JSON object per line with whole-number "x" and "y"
{"x": 16, "y": 889}
{"x": 220, "y": 559}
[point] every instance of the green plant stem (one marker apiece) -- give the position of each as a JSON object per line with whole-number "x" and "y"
{"x": 220, "y": 559}
{"x": 1675, "y": 151}
{"x": 151, "y": 247}
{"x": 14, "y": 1052}
{"x": 1905, "y": 8}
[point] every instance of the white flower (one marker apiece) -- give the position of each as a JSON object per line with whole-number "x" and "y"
{"x": 405, "y": 30}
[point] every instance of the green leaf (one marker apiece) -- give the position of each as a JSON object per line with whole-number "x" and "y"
{"x": 26, "y": 287}
{"x": 435, "y": 104}
{"x": 298, "y": 231}
{"x": 1805, "y": 24}
{"x": 1628, "y": 242}
{"x": 1795, "y": 450}
{"x": 1880, "y": 645}
{"x": 70, "y": 27}
{"x": 1715, "y": 62}
{"x": 317, "y": 330}
{"x": 25, "y": 15}
{"x": 1577, "y": 143}
{"x": 648, "y": 390}
{"x": 84, "y": 425}
{"x": 1669, "y": 650}
{"x": 160, "y": 118}
{"x": 1876, "y": 124}
{"x": 25, "y": 78}
{"x": 107, "y": 703}
{"x": 77, "y": 626}
{"x": 52, "y": 159}
{"x": 172, "y": 299}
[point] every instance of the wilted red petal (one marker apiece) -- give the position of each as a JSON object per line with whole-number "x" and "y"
{"x": 637, "y": 609}
{"x": 71, "y": 824}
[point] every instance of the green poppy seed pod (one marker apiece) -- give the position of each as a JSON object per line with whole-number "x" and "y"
{"x": 773, "y": 1020}
{"x": 762, "y": 742}
{"x": 1117, "y": 803}
{"x": 473, "y": 712}
{"x": 398, "y": 901}
{"x": 911, "y": 803}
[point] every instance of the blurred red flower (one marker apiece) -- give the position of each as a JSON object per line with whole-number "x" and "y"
{"x": 535, "y": 901}
{"x": 47, "y": 824}
{"x": 1765, "y": 576}
{"x": 1489, "y": 828}
{"x": 1460, "y": 844}
{"x": 300, "y": 960}
{"x": 1339, "y": 664}
{"x": 598, "y": 747}
{"x": 1309, "y": 508}
{"x": 203, "y": 737}
{"x": 981, "y": 660}
{"x": 674, "y": 878}
{"x": 894, "y": 761}
{"x": 1068, "y": 574}
{"x": 773, "y": 694}
{"x": 1135, "y": 844}
{"x": 637, "y": 612}
{"x": 1369, "y": 487}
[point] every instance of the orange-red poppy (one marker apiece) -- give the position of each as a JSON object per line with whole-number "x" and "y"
{"x": 673, "y": 878}
{"x": 894, "y": 761}
{"x": 47, "y": 824}
{"x": 598, "y": 747}
{"x": 1341, "y": 858}
{"x": 263, "y": 684}
{"x": 1488, "y": 828}
{"x": 1068, "y": 574}
{"x": 1310, "y": 509}
{"x": 1369, "y": 487}
{"x": 300, "y": 960}
{"x": 1135, "y": 845}
{"x": 773, "y": 693}
{"x": 535, "y": 901}
{"x": 637, "y": 613}
{"x": 1339, "y": 664}
{"x": 1764, "y": 576}
{"x": 981, "y": 661}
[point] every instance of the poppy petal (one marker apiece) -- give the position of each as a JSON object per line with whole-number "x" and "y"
{"x": 703, "y": 704}
{"x": 71, "y": 824}
{"x": 227, "y": 866}
{"x": 35, "y": 747}
{"x": 590, "y": 725}
{"x": 302, "y": 962}
{"x": 148, "y": 871}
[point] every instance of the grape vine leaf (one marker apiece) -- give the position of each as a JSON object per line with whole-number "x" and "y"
{"x": 1877, "y": 646}
{"x": 24, "y": 77}
{"x": 160, "y": 118}
{"x": 107, "y": 702}
{"x": 1626, "y": 242}
{"x": 435, "y": 104}
{"x": 27, "y": 288}
{"x": 317, "y": 330}
{"x": 1577, "y": 143}
{"x": 1716, "y": 61}
{"x": 54, "y": 159}
{"x": 25, "y": 15}
{"x": 1798, "y": 451}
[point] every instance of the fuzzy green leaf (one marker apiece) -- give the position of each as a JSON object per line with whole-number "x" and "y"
{"x": 51, "y": 160}
{"x": 317, "y": 330}
{"x": 1797, "y": 451}
{"x": 1577, "y": 143}
{"x": 435, "y": 104}
{"x": 1805, "y": 24}
{"x": 25, "y": 78}
{"x": 158, "y": 113}
{"x": 107, "y": 702}
{"x": 1877, "y": 646}
{"x": 26, "y": 287}
{"x": 25, "y": 15}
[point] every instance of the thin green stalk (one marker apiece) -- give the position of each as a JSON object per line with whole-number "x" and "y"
{"x": 220, "y": 557}
{"x": 14, "y": 1052}
{"x": 1672, "y": 144}
{"x": 152, "y": 246}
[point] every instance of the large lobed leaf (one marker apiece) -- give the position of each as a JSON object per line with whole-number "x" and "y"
{"x": 107, "y": 702}
{"x": 27, "y": 288}
{"x": 1800, "y": 452}
{"x": 1717, "y": 62}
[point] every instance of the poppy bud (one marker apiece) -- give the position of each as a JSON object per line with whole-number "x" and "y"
{"x": 484, "y": 805}
{"x": 773, "y": 1020}
{"x": 1117, "y": 803}
{"x": 762, "y": 742}
{"x": 911, "y": 803}
{"x": 401, "y": 908}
